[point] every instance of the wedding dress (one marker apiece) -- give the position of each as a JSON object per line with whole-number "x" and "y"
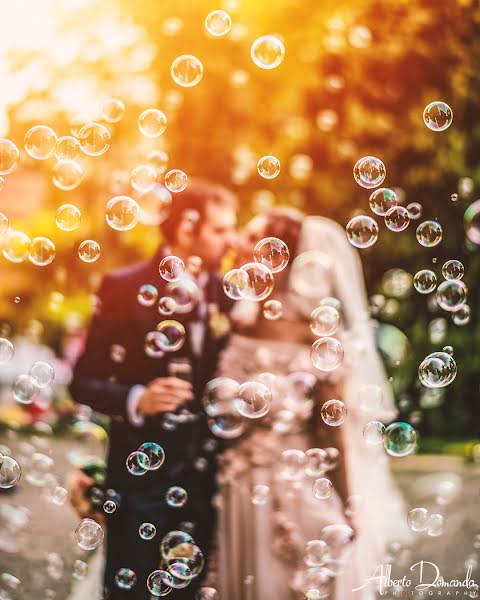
{"x": 262, "y": 531}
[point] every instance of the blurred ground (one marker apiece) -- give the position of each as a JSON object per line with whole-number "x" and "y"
{"x": 31, "y": 527}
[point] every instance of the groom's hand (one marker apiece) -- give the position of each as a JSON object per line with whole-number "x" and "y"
{"x": 164, "y": 394}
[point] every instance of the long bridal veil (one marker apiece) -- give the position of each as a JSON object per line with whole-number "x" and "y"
{"x": 381, "y": 517}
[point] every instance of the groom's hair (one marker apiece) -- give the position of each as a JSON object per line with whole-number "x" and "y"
{"x": 192, "y": 204}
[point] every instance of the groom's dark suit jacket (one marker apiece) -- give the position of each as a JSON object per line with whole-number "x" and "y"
{"x": 104, "y": 385}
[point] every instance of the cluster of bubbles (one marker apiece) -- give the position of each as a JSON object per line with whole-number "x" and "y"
{"x": 437, "y": 370}
{"x": 182, "y": 561}
{"x": 25, "y": 387}
{"x": 149, "y": 457}
{"x": 232, "y": 407}
{"x": 254, "y": 280}
{"x": 420, "y": 519}
{"x": 399, "y": 438}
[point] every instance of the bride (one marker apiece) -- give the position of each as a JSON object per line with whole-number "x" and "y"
{"x": 305, "y": 508}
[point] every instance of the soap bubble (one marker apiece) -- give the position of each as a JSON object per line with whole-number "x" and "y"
{"x": 155, "y": 205}
{"x": 7, "y": 351}
{"x": 16, "y": 245}
{"x": 155, "y": 454}
{"x": 429, "y": 234}
{"x": 24, "y": 389}
{"x": 425, "y": 281}
{"x": 292, "y": 464}
{"x": 166, "y": 306}
{"x": 143, "y": 178}
{"x": 80, "y": 570}
{"x": 184, "y": 293}
{"x": 438, "y": 369}
{"x": 267, "y": 52}
{"x": 89, "y": 251}
{"x": 40, "y": 142}
{"x": 9, "y": 156}
{"x": 254, "y": 400}
{"x": 158, "y": 159}
{"x": 315, "y": 553}
{"x": 39, "y": 471}
{"x": 471, "y": 221}
{"x": 94, "y": 139}
{"x": 147, "y": 531}
{"x": 173, "y": 335}
{"x": 322, "y": 488}
{"x": 373, "y": 433}
{"x": 89, "y": 534}
{"x": 43, "y": 373}
{"x": 109, "y": 507}
{"x": 159, "y": 583}
{"x": 41, "y": 251}
{"x": 435, "y": 525}
{"x": 113, "y": 110}
{"x": 171, "y": 268}
{"x": 186, "y": 70}
{"x": 273, "y": 253}
{"x": 67, "y": 148}
{"x": 334, "y": 412}
{"x": 414, "y": 210}
{"x": 176, "y": 497}
{"x": 324, "y": 321}
{"x": 176, "y": 180}
{"x": 260, "y": 282}
{"x": 152, "y": 122}
{"x": 68, "y": 217}
{"x": 147, "y": 295}
{"x": 121, "y": 213}
{"x": 272, "y": 310}
{"x": 268, "y": 167}
{"x": 362, "y": 231}
{"x": 153, "y": 345}
{"x": 67, "y": 174}
{"x": 10, "y": 472}
{"x": 461, "y": 316}
{"x": 218, "y": 23}
{"x": 417, "y": 519}
{"x": 316, "y": 464}
{"x": 308, "y": 274}
{"x": 125, "y": 579}
{"x": 438, "y": 116}
{"x": 382, "y": 200}
{"x": 397, "y": 219}
{"x": 137, "y": 463}
{"x": 400, "y": 439}
{"x": 327, "y": 354}
{"x": 451, "y": 294}
{"x": 181, "y": 574}
{"x": 369, "y": 172}
{"x": 260, "y": 494}
{"x": 234, "y": 282}
{"x": 453, "y": 269}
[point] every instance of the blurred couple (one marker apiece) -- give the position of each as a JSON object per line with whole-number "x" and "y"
{"x": 251, "y": 511}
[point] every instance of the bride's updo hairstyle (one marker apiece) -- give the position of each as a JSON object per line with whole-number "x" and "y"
{"x": 285, "y": 223}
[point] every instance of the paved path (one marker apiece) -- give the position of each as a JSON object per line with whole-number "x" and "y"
{"x": 30, "y": 527}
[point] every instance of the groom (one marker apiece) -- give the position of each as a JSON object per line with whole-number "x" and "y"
{"x": 144, "y": 398}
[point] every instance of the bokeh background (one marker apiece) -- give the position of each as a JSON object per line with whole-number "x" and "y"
{"x": 355, "y": 80}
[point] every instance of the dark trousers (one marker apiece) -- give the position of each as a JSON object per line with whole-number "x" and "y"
{"x": 125, "y": 547}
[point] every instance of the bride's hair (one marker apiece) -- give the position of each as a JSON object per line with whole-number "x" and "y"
{"x": 285, "y": 223}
